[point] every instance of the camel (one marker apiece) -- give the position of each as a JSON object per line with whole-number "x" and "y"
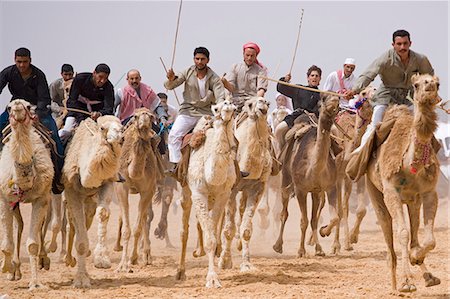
{"x": 405, "y": 171}
{"x": 26, "y": 177}
{"x": 274, "y": 183}
{"x": 254, "y": 157}
{"x": 311, "y": 169}
{"x": 211, "y": 175}
{"x": 138, "y": 166}
{"x": 90, "y": 169}
{"x": 354, "y": 124}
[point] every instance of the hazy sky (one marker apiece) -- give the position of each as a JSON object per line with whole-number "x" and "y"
{"x": 131, "y": 34}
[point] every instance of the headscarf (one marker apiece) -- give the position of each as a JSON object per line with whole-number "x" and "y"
{"x": 255, "y": 47}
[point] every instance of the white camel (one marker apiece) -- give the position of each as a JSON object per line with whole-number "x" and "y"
{"x": 26, "y": 177}
{"x": 91, "y": 167}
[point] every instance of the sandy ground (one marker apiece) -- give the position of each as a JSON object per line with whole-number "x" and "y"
{"x": 361, "y": 273}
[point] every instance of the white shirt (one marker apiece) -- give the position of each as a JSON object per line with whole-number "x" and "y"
{"x": 201, "y": 87}
{"x": 332, "y": 84}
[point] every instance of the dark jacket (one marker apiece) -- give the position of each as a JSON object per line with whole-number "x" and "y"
{"x": 34, "y": 89}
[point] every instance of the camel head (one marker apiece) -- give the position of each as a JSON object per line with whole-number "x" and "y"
{"x": 111, "y": 129}
{"x": 280, "y": 113}
{"x": 224, "y": 110}
{"x": 363, "y": 103}
{"x": 329, "y": 106}
{"x": 256, "y": 107}
{"x": 19, "y": 112}
{"x": 426, "y": 89}
{"x": 143, "y": 119}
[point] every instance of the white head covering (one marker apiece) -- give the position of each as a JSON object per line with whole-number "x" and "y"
{"x": 288, "y": 100}
{"x": 349, "y": 61}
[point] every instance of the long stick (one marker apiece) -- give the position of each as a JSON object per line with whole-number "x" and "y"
{"x": 176, "y": 35}
{"x": 303, "y": 87}
{"x": 176, "y": 97}
{"x": 296, "y": 44}
{"x": 120, "y": 79}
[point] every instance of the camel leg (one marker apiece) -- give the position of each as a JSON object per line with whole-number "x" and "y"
{"x": 385, "y": 221}
{"x": 264, "y": 210}
{"x": 160, "y": 231}
{"x": 246, "y": 229}
{"x": 345, "y": 208}
{"x": 242, "y": 205}
{"x": 360, "y": 210}
{"x": 101, "y": 255}
{"x": 201, "y": 209}
{"x": 301, "y": 198}
{"x": 417, "y": 252}
{"x": 76, "y": 205}
{"x": 68, "y": 258}
{"x": 200, "y": 250}
{"x": 145, "y": 204}
{"x": 276, "y": 211}
{"x": 122, "y": 197}
{"x": 18, "y": 224}
{"x": 317, "y": 199}
{"x": 7, "y": 244}
{"x": 335, "y": 212}
{"x": 39, "y": 209}
{"x": 55, "y": 225}
{"x": 63, "y": 229}
{"x": 228, "y": 232}
{"x": 186, "y": 204}
{"x": 118, "y": 246}
{"x": 278, "y": 246}
{"x": 43, "y": 259}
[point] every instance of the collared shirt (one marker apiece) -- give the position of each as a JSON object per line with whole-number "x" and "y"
{"x": 301, "y": 98}
{"x": 83, "y": 85}
{"x": 245, "y": 79}
{"x": 332, "y": 83}
{"x": 393, "y": 73}
{"x": 193, "y": 104}
{"x": 34, "y": 89}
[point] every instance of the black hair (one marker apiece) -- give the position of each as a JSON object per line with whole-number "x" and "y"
{"x": 22, "y": 52}
{"x": 314, "y": 68}
{"x": 102, "y": 68}
{"x": 400, "y": 33}
{"x": 66, "y": 68}
{"x": 162, "y": 95}
{"x": 201, "y": 50}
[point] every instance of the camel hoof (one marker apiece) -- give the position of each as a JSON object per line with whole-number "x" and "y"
{"x": 430, "y": 280}
{"x": 415, "y": 257}
{"x": 134, "y": 259}
{"x": 225, "y": 261}
{"x": 44, "y": 262}
{"x": 62, "y": 254}
{"x": 354, "y": 237}
{"x": 102, "y": 262}
{"x": 181, "y": 275}
{"x": 407, "y": 287}
{"x": 123, "y": 268}
{"x": 7, "y": 264}
{"x": 147, "y": 257}
{"x": 335, "y": 249}
{"x": 160, "y": 231}
{"x": 319, "y": 251}
{"x": 323, "y": 233}
{"x": 52, "y": 247}
{"x": 82, "y": 281}
{"x": 15, "y": 273}
{"x": 348, "y": 247}
{"x": 118, "y": 248}
{"x": 302, "y": 253}
{"x": 247, "y": 267}
{"x": 36, "y": 286}
{"x": 199, "y": 252}
{"x": 311, "y": 240}
{"x": 278, "y": 247}
{"x": 70, "y": 261}
{"x": 212, "y": 280}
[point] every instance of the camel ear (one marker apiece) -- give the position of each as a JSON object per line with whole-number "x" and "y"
{"x": 414, "y": 78}
{"x": 215, "y": 109}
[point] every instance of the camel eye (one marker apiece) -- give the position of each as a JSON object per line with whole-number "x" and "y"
{"x": 438, "y": 84}
{"x": 416, "y": 85}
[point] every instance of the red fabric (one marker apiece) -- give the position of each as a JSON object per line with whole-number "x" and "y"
{"x": 256, "y": 48}
{"x": 341, "y": 82}
{"x": 131, "y": 101}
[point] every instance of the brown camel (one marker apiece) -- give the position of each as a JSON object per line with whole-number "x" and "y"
{"x": 354, "y": 124}
{"x": 138, "y": 165}
{"x": 311, "y": 168}
{"x": 405, "y": 171}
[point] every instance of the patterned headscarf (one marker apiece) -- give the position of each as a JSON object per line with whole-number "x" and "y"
{"x": 255, "y": 47}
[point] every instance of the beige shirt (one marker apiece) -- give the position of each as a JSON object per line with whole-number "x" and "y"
{"x": 245, "y": 79}
{"x": 193, "y": 104}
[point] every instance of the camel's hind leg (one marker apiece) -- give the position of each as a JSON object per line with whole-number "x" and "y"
{"x": 278, "y": 246}
{"x": 246, "y": 228}
{"x": 345, "y": 208}
{"x": 318, "y": 200}
{"x": 55, "y": 224}
{"x": 18, "y": 224}
{"x": 335, "y": 212}
{"x": 39, "y": 209}
{"x": 200, "y": 249}
{"x": 117, "y": 246}
{"x": 228, "y": 232}
{"x": 385, "y": 221}
{"x": 186, "y": 204}
{"x": 101, "y": 254}
{"x": 242, "y": 206}
{"x": 360, "y": 210}
{"x": 418, "y": 253}
{"x": 6, "y": 235}
{"x": 68, "y": 257}
{"x": 125, "y": 230}
{"x": 301, "y": 198}
{"x": 63, "y": 229}
{"x": 264, "y": 210}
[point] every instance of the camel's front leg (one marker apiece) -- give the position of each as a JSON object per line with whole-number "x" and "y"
{"x": 101, "y": 254}
{"x": 160, "y": 231}
{"x": 17, "y": 274}
{"x": 264, "y": 210}
{"x": 317, "y": 204}
{"x": 68, "y": 257}
{"x": 76, "y": 206}
{"x": 186, "y": 204}
{"x": 200, "y": 250}
{"x": 278, "y": 246}
{"x": 360, "y": 210}
{"x": 144, "y": 205}
{"x": 55, "y": 224}
{"x": 39, "y": 209}
{"x": 395, "y": 207}
{"x": 125, "y": 230}
{"x": 247, "y": 225}
{"x": 6, "y": 235}
{"x": 301, "y": 198}
{"x": 228, "y": 232}
{"x": 418, "y": 253}
{"x": 335, "y": 212}
{"x": 200, "y": 202}
{"x": 345, "y": 209}
{"x": 63, "y": 230}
